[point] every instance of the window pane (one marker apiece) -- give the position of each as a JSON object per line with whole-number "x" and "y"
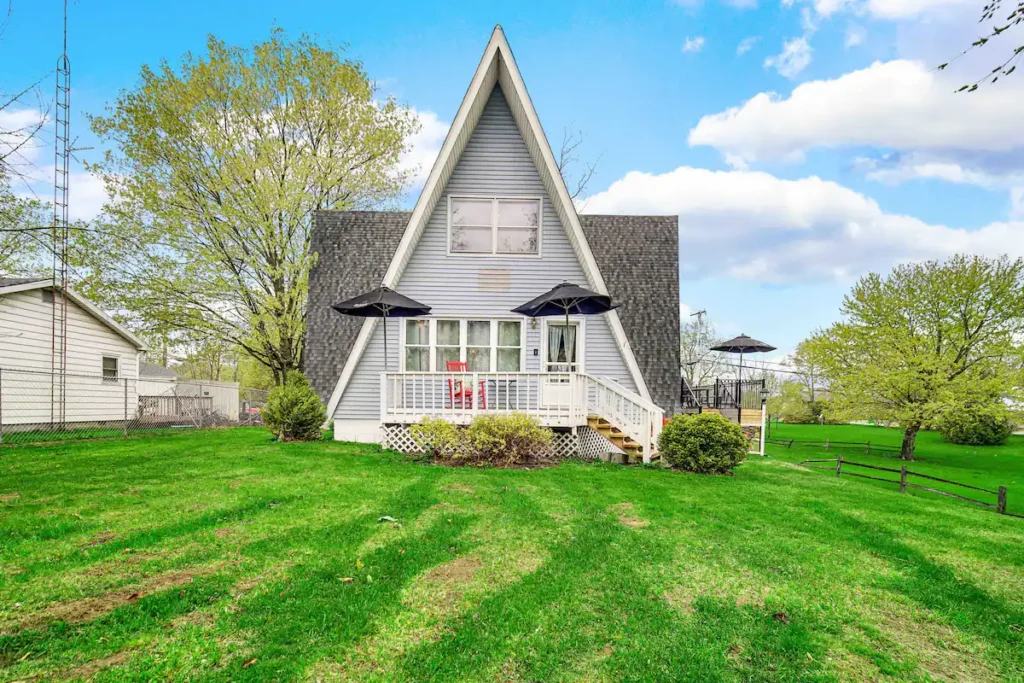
{"x": 479, "y": 359}
{"x": 417, "y": 332}
{"x": 471, "y": 212}
{"x": 479, "y": 333}
{"x": 446, "y": 354}
{"x": 448, "y": 332}
{"x": 508, "y": 334}
{"x": 508, "y": 360}
{"x": 417, "y": 359}
{"x": 517, "y": 241}
{"x": 472, "y": 240}
{"x": 518, "y": 213}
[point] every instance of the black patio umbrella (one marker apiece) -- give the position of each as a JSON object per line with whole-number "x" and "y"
{"x": 385, "y": 303}
{"x": 564, "y": 299}
{"x": 741, "y": 345}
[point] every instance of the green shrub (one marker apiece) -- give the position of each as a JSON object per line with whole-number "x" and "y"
{"x": 706, "y": 443}
{"x": 509, "y": 440}
{"x": 987, "y": 423}
{"x": 294, "y": 412}
{"x": 442, "y": 440}
{"x": 500, "y": 440}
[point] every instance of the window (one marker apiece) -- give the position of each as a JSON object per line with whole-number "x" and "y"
{"x": 47, "y": 295}
{"x": 484, "y": 345}
{"x": 478, "y": 345}
{"x": 561, "y": 348}
{"x": 417, "y": 345}
{"x": 448, "y": 349}
{"x": 109, "y": 369}
{"x": 494, "y": 226}
{"x": 510, "y": 346}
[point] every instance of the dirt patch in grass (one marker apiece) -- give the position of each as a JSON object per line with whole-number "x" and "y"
{"x": 89, "y": 669}
{"x": 101, "y": 538}
{"x": 939, "y": 649}
{"x": 223, "y": 532}
{"x": 623, "y": 511}
{"x": 458, "y": 572}
{"x": 87, "y": 609}
{"x": 464, "y": 488}
{"x": 9, "y": 497}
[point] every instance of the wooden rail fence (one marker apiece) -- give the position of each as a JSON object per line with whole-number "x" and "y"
{"x": 828, "y": 445}
{"x": 839, "y": 462}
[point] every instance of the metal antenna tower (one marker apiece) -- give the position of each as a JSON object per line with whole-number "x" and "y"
{"x": 61, "y": 161}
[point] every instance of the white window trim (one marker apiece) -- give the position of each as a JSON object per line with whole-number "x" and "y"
{"x": 581, "y": 340}
{"x": 463, "y": 339}
{"x": 117, "y": 368}
{"x": 493, "y": 253}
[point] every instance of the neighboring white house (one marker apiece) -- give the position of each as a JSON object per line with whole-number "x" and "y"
{"x": 494, "y": 227}
{"x": 102, "y": 358}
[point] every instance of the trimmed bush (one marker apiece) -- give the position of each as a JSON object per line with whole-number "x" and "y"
{"x": 440, "y": 439}
{"x": 500, "y": 440}
{"x": 509, "y": 440}
{"x": 977, "y": 424}
{"x": 294, "y": 412}
{"x": 705, "y": 444}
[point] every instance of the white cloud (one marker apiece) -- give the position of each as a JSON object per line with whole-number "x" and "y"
{"x": 755, "y": 226}
{"x": 17, "y": 126}
{"x": 424, "y": 146}
{"x": 855, "y": 35}
{"x": 794, "y": 58}
{"x": 695, "y": 44}
{"x": 746, "y": 45}
{"x": 900, "y": 105}
{"x": 907, "y": 9}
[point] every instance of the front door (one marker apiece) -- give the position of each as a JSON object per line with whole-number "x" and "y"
{"x": 561, "y": 355}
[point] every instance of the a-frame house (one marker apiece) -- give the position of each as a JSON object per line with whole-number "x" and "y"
{"x": 493, "y": 228}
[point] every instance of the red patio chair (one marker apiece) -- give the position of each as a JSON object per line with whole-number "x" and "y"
{"x": 459, "y": 395}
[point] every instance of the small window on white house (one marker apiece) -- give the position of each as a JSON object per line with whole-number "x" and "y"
{"x": 447, "y": 343}
{"x": 47, "y": 295}
{"x": 110, "y": 369}
{"x": 495, "y": 226}
{"x": 478, "y": 345}
{"x": 510, "y": 346}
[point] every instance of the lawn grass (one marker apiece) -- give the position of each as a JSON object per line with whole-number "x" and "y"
{"x": 220, "y": 555}
{"x": 986, "y": 467}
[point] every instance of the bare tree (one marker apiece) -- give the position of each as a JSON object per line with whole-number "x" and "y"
{"x": 991, "y": 14}
{"x": 569, "y": 164}
{"x": 701, "y": 365}
{"x": 20, "y": 123}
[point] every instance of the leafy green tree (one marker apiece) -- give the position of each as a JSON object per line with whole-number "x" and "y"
{"x": 22, "y": 241}
{"x": 215, "y": 171}
{"x": 294, "y": 412}
{"x": 806, "y": 368}
{"x": 923, "y": 337}
{"x": 791, "y": 404}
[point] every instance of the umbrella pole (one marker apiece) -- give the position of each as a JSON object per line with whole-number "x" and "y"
{"x": 568, "y": 357}
{"x": 385, "y": 341}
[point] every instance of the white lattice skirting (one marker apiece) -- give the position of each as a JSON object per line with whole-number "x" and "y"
{"x": 586, "y": 444}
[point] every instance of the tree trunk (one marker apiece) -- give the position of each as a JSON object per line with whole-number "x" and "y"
{"x": 909, "y": 438}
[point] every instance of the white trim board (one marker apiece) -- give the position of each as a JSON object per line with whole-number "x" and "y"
{"x": 497, "y": 65}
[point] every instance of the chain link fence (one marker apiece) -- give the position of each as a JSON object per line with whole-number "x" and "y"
{"x": 43, "y": 406}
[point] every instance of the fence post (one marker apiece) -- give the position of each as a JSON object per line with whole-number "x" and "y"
{"x": 839, "y": 464}
{"x": 1001, "y": 501}
{"x": 826, "y": 443}
{"x": 869, "y": 448}
{"x": 126, "y": 406}
{"x": 903, "y": 479}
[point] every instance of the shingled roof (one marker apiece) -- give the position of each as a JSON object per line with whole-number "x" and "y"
{"x": 638, "y": 257}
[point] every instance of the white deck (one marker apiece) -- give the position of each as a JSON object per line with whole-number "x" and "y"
{"x": 555, "y": 399}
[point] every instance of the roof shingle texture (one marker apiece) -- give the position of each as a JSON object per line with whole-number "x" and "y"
{"x": 638, "y": 257}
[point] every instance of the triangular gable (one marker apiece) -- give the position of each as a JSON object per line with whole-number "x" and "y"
{"x": 497, "y": 65}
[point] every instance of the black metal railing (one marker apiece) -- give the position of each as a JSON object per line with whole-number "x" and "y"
{"x": 727, "y": 396}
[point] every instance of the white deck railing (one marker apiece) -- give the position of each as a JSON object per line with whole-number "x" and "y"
{"x": 562, "y": 399}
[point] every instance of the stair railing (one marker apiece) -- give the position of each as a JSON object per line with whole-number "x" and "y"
{"x": 629, "y": 412}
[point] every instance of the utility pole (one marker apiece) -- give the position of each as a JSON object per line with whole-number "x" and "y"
{"x": 699, "y": 359}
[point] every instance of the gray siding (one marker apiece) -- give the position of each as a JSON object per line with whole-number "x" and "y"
{"x": 496, "y": 162}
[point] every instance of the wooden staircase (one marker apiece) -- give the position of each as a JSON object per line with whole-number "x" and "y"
{"x": 631, "y": 448}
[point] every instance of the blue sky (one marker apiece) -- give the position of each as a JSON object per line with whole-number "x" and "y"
{"x": 827, "y": 149}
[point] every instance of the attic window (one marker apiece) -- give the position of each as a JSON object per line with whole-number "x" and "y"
{"x": 47, "y": 296}
{"x": 492, "y": 226}
{"x": 110, "y": 369}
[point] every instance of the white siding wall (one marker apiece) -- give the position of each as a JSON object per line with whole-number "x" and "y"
{"x": 25, "y": 344}
{"x": 496, "y": 162}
